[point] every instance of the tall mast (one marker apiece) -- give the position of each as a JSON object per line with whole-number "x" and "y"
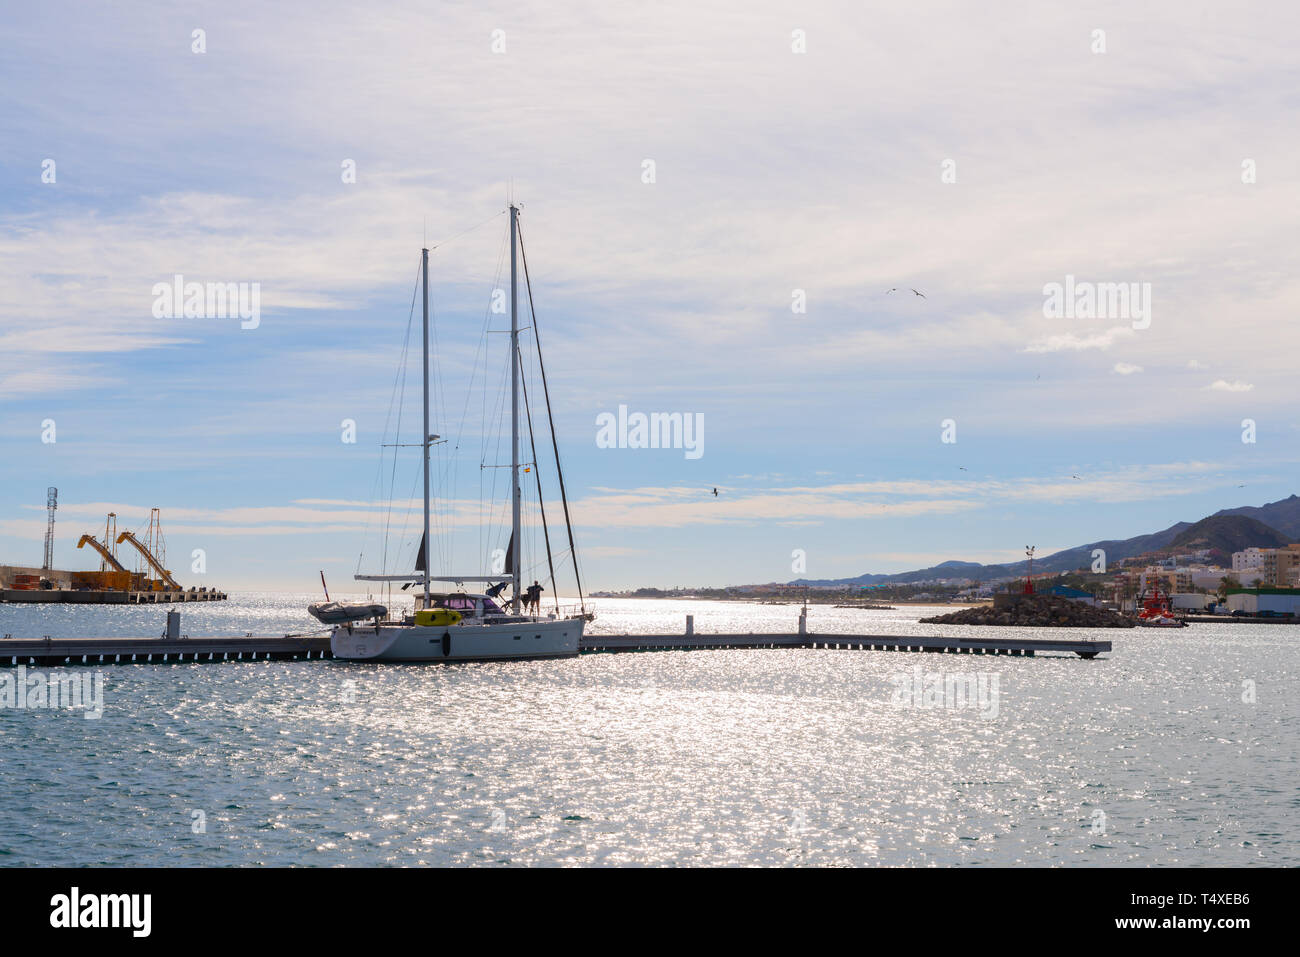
{"x": 517, "y": 545}
{"x": 424, "y": 265}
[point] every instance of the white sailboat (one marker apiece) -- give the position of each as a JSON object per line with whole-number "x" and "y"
{"x": 455, "y": 626}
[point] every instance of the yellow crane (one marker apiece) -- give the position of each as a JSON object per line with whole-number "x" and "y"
{"x": 110, "y": 535}
{"x": 104, "y": 552}
{"x": 163, "y": 573}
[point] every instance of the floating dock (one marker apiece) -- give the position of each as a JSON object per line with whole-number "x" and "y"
{"x": 175, "y": 649}
{"x": 690, "y": 639}
{"x": 77, "y": 596}
{"x": 1240, "y": 620}
{"x": 127, "y": 651}
{"x": 957, "y": 646}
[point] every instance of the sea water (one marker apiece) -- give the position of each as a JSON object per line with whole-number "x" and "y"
{"x": 1178, "y": 748}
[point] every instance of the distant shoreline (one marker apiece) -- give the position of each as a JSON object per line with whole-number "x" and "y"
{"x": 812, "y": 600}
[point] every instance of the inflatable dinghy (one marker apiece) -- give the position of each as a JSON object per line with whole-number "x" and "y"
{"x": 340, "y": 612}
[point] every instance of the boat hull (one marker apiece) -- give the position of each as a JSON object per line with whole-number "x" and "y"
{"x": 499, "y": 641}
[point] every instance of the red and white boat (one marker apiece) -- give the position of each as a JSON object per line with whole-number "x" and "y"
{"x": 1156, "y": 611}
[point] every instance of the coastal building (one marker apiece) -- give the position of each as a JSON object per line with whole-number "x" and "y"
{"x": 1074, "y": 594}
{"x": 1209, "y": 578}
{"x": 1254, "y": 601}
{"x": 1249, "y": 559}
{"x": 1170, "y": 580}
{"x": 1280, "y": 565}
{"x": 10, "y": 575}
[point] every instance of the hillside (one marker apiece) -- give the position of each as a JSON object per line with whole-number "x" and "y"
{"x": 1063, "y": 561}
{"x": 1276, "y": 523}
{"x": 1229, "y": 533}
{"x": 1283, "y": 515}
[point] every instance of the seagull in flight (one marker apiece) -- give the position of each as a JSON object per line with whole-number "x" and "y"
{"x": 715, "y": 492}
{"x": 962, "y": 467}
{"x": 918, "y": 292}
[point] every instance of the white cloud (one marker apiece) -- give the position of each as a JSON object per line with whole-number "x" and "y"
{"x": 1223, "y": 385}
{"x": 226, "y": 167}
{"x": 1072, "y": 342}
{"x": 680, "y": 260}
{"x": 674, "y": 506}
{"x": 43, "y": 377}
{"x": 1126, "y": 368}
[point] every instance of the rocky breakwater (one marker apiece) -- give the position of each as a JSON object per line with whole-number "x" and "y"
{"x": 1036, "y": 611}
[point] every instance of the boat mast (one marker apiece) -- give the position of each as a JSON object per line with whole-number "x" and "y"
{"x": 424, "y": 266}
{"x": 514, "y": 415}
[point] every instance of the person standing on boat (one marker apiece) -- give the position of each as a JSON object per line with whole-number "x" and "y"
{"x": 535, "y": 597}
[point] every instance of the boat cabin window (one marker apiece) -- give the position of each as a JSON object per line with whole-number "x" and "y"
{"x": 468, "y": 605}
{"x": 460, "y": 603}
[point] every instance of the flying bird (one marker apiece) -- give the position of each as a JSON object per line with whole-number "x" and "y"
{"x": 715, "y": 493}
{"x": 962, "y": 467}
{"x": 1075, "y": 476}
{"x": 918, "y": 292}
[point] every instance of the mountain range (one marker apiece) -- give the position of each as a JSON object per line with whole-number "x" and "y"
{"x": 1226, "y": 531}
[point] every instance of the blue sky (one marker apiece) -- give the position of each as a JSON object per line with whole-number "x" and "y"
{"x": 775, "y": 171}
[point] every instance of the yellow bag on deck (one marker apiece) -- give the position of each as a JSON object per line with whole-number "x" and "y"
{"x": 437, "y": 617}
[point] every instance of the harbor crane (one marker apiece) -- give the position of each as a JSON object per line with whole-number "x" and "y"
{"x": 156, "y": 565}
{"x": 104, "y": 553}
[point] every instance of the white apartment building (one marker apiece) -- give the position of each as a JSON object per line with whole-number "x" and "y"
{"x": 1252, "y": 559}
{"x": 1208, "y": 578}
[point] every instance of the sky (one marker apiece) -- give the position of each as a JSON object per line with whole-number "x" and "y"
{"x": 716, "y": 200}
